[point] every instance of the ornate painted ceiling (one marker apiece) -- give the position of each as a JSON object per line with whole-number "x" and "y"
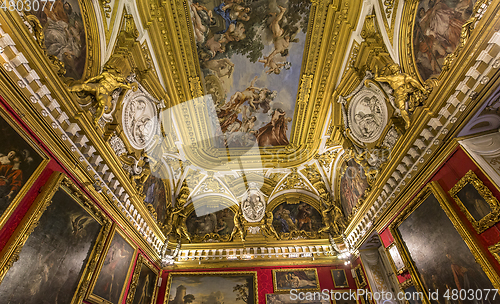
{"x": 252, "y": 124}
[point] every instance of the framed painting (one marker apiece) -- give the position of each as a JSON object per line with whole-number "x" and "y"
{"x": 359, "y": 276}
{"x": 21, "y": 162}
{"x": 396, "y": 261}
{"x": 353, "y": 185}
{"x": 212, "y": 287}
{"x": 340, "y": 296}
{"x": 476, "y": 201}
{"x": 310, "y": 298}
{"x": 303, "y": 279}
{"x": 51, "y": 259}
{"x": 108, "y": 287}
{"x": 143, "y": 287}
{"x": 291, "y": 219}
{"x": 437, "y": 248}
{"x": 339, "y": 278}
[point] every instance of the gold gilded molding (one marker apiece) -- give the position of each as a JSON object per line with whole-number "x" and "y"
{"x": 141, "y": 260}
{"x": 56, "y": 182}
{"x": 359, "y": 276}
{"x": 433, "y": 188}
{"x": 491, "y": 218}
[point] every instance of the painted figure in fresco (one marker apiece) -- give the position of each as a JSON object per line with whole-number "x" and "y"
{"x": 221, "y": 67}
{"x": 304, "y": 217}
{"x": 274, "y": 133}
{"x": 275, "y": 67}
{"x": 268, "y": 227}
{"x": 403, "y": 85}
{"x": 281, "y": 39}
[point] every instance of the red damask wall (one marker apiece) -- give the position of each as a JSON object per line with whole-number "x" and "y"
{"x": 450, "y": 172}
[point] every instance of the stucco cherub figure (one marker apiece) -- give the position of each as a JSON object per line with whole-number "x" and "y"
{"x": 103, "y": 88}
{"x": 238, "y": 226}
{"x": 408, "y": 92}
{"x": 268, "y": 227}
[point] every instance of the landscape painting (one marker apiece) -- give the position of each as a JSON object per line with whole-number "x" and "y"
{"x": 212, "y": 287}
{"x": 250, "y": 54}
{"x": 115, "y": 271}
{"x": 276, "y": 298}
{"x": 353, "y": 184}
{"x": 438, "y": 25}
{"x": 220, "y": 222}
{"x": 64, "y": 32}
{"x": 54, "y": 257}
{"x": 155, "y": 192}
{"x": 145, "y": 290}
{"x": 18, "y": 162}
{"x": 305, "y": 279}
{"x": 440, "y": 255}
{"x": 288, "y": 218}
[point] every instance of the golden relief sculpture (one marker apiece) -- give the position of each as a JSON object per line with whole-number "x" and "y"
{"x": 333, "y": 218}
{"x": 238, "y": 226}
{"x": 408, "y": 92}
{"x": 268, "y": 227}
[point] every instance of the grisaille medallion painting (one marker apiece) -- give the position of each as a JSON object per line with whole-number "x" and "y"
{"x": 250, "y": 55}
{"x": 353, "y": 184}
{"x": 438, "y": 24}
{"x": 235, "y": 288}
{"x": 18, "y": 162}
{"x": 296, "y": 217}
{"x": 54, "y": 256}
{"x": 145, "y": 290}
{"x": 64, "y": 34}
{"x": 441, "y": 257}
{"x": 115, "y": 268}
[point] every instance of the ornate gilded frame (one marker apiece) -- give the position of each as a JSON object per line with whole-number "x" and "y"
{"x": 91, "y": 297}
{"x": 391, "y": 259}
{"x": 359, "y": 276}
{"x": 433, "y": 188}
{"x": 59, "y": 181}
{"x": 491, "y": 218}
{"x": 141, "y": 260}
{"x": 278, "y": 290}
{"x": 231, "y": 273}
{"x": 333, "y": 278}
{"x": 45, "y": 160}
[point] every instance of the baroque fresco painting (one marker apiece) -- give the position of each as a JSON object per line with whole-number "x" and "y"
{"x": 64, "y": 32}
{"x": 145, "y": 290}
{"x": 441, "y": 257}
{"x": 54, "y": 257}
{"x": 296, "y": 217}
{"x": 113, "y": 275}
{"x": 353, "y": 184}
{"x": 250, "y": 54}
{"x": 275, "y": 298}
{"x": 198, "y": 288}
{"x": 18, "y": 161}
{"x": 220, "y": 222}
{"x": 300, "y": 279}
{"x": 438, "y": 24}
{"x": 154, "y": 189}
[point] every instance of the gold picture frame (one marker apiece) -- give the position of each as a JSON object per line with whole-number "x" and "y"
{"x": 91, "y": 296}
{"x": 345, "y": 276}
{"x": 142, "y": 261}
{"x": 33, "y": 177}
{"x": 278, "y": 281}
{"x": 476, "y": 213}
{"x": 172, "y": 275}
{"x": 395, "y": 258}
{"x": 359, "y": 276}
{"x": 57, "y": 182}
{"x": 433, "y": 188}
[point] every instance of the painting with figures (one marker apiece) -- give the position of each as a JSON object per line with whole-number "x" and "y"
{"x": 445, "y": 262}
{"x": 438, "y": 25}
{"x": 300, "y": 279}
{"x": 64, "y": 32}
{"x": 145, "y": 288}
{"x": 54, "y": 257}
{"x": 213, "y": 287}
{"x": 18, "y": 162}
{"x": 250, "y": 54}
{"x": 113, "y": 276}
{"x": 274, "y": 298}
{"x": 353, "y": 184}
{"x": 339, "y": 278}
{"x": 219, "y": 222}
{"x": 296, "y": 217}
